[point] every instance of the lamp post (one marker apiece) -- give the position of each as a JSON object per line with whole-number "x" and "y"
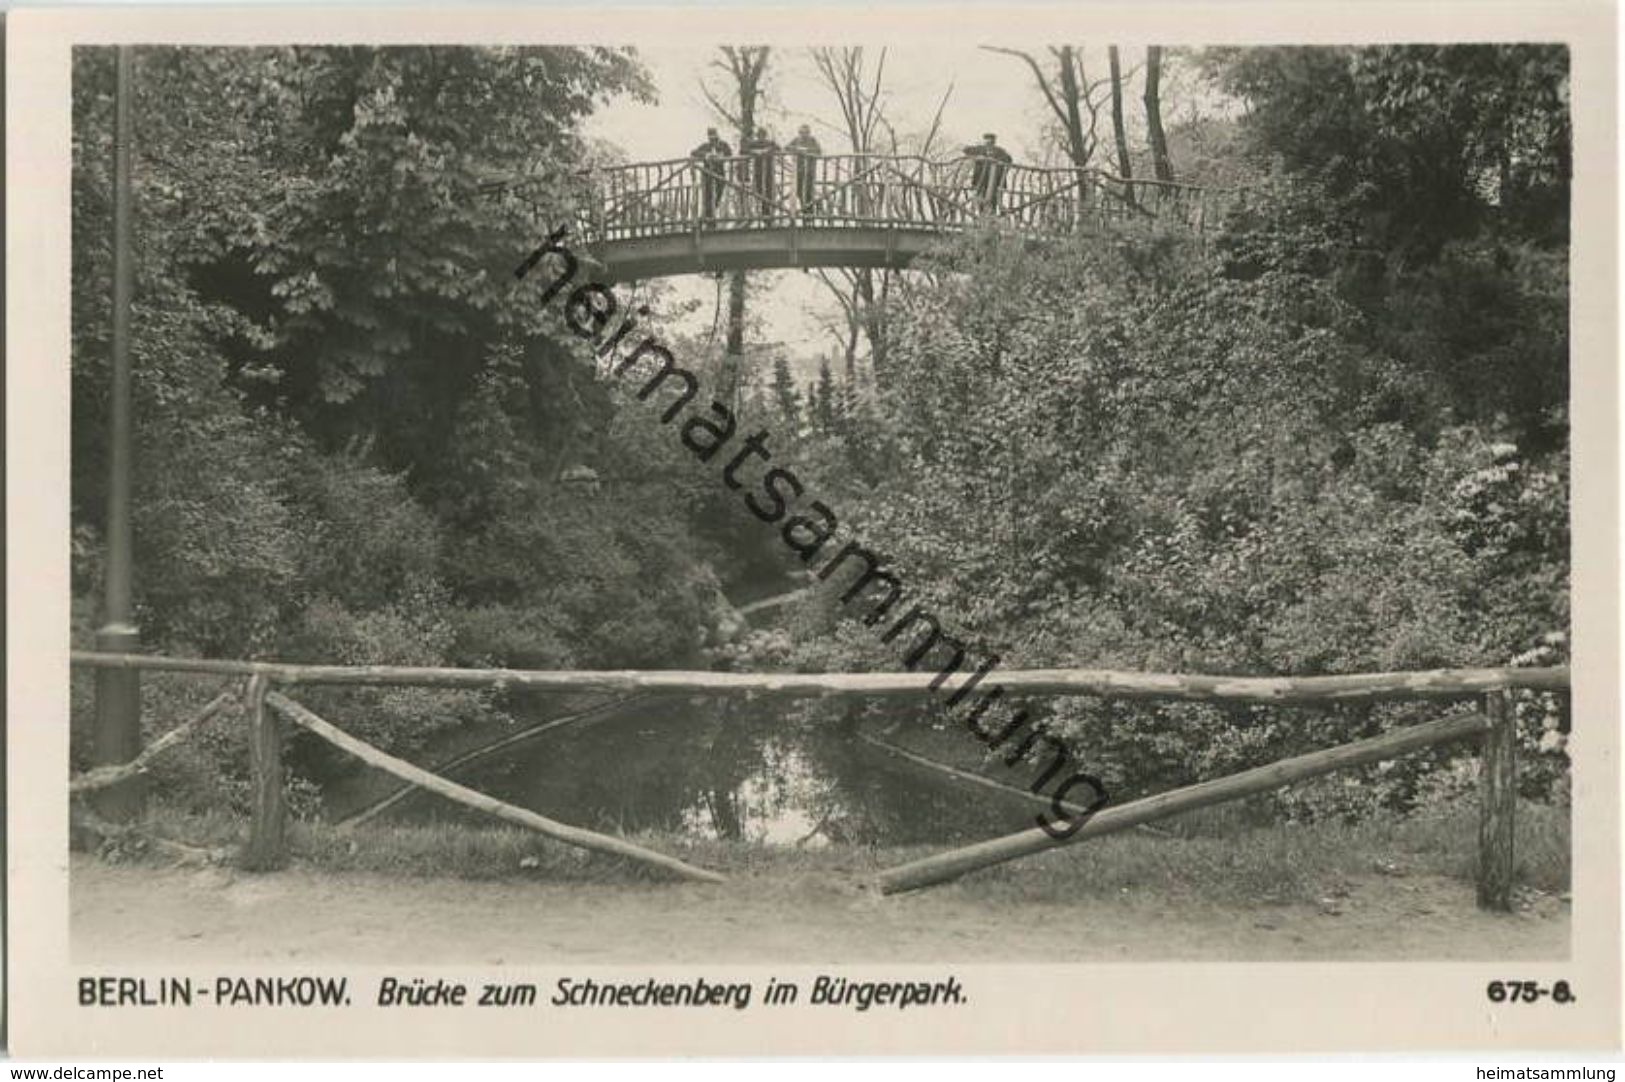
{"x": 117, "y": 735}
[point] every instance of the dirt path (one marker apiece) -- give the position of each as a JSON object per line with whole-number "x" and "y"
{"x": 189, "y": 914}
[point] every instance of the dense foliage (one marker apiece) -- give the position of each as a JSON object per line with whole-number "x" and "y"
{"x": 352, "y": 423}
{"x": 1331, "y": 437}
{"x": 1331, "y": 440}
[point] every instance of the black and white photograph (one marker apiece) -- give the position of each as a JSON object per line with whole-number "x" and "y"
{"x": 608, "y": 526}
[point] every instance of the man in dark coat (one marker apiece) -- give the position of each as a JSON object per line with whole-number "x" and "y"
{"x": 711, "y": 155}
{"x": 990, "y": 162}
{"x": 760, "y": 149}
{"x": 807, "y": 151}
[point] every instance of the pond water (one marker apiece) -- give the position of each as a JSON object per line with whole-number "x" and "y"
{"x": 738, "y": 771}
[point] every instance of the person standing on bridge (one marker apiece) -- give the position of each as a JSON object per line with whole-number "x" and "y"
{"x": 987, "y": 173}
{"x": 711, "y": 154}
{"x": 760, "y": 149}
{"x": 807, "y": 151}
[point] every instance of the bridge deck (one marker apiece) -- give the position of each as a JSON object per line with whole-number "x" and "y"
{"x": 784, "y": 210}
{"x": 762, "y": 247}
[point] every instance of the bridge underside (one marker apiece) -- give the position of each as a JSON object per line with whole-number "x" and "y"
{"x": 761, "y": 248}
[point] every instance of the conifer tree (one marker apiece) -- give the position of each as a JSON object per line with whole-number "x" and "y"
{"x": 784, "y": 394}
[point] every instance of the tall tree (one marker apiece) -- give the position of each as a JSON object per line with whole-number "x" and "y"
{"x": 1073, "y": 99}
{"x": 825, "y": 402}
{"x": 1442, "y": 175}
{"x": 746, "y": 69}
{"x": 1428, "y": 142}
{"x": 786, "y": 398}
{"x": 351, "y": 413}
{"x": 859, "y": 95}
{"x": 1160, "y": 163}
{"x": 1125, "y": 166}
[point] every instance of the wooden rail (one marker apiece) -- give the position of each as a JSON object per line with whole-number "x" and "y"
{"x": 1365, "y": 687}
{"x": 965, "y": 777}
{"x": 1495, "y": 725}
{"x": 579, "y": 720}
{"x": 104, "y": 776}
{"x": 944, "y": 866}
{"x": 584, "y": 839}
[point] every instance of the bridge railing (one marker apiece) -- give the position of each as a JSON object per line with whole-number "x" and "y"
{"x": 1492, "y": 723}
{"x": 834, "y": 191}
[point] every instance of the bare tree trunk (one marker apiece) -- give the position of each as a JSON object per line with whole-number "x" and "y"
{"x": 874, "y": 325}
{"x": 1077, "y": 145}
{"x": 1069, "y": 93}
{"x": 745, "y": 65}
{"x": 1125, "y": 168}
{"x": 1080, "y": 148}
{"x": 733, "y": 357}
{"x": 1153, "y": 114}
{"x": 858, "y": 92}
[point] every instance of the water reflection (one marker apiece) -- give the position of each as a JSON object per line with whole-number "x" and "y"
{"x": 725, "y": 770}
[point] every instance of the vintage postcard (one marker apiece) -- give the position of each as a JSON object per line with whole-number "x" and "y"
{"x": 652, "y": 531}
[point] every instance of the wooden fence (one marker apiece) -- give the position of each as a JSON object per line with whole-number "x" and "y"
{"x": 1493, "y": 724}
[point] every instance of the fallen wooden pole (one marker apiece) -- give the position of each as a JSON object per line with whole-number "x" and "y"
{"x": 924, "y": 763}
{"x": 957, "y": 862}
{"x": 103, "y": 776}
{"x": 1285, "y": 690}
{"x": 581, "y": 718}
{"x": 775, "y": 601}
{"x": 1036, "y": 799}
{"x": 583, "y": 839}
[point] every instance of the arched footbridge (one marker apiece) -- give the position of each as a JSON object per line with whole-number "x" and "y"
{"x": 781, "y": 210}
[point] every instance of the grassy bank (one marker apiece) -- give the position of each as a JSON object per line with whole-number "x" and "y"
{"x": 1275, "y": 864}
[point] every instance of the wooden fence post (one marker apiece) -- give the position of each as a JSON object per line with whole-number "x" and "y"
{"x": 1498, "y": 799}
{"x": 266, "y": 849}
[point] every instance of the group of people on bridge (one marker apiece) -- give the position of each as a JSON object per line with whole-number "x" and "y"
{"x": 755, "y": 175}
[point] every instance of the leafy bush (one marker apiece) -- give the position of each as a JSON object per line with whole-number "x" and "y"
{"x": 1134, "y": 457}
